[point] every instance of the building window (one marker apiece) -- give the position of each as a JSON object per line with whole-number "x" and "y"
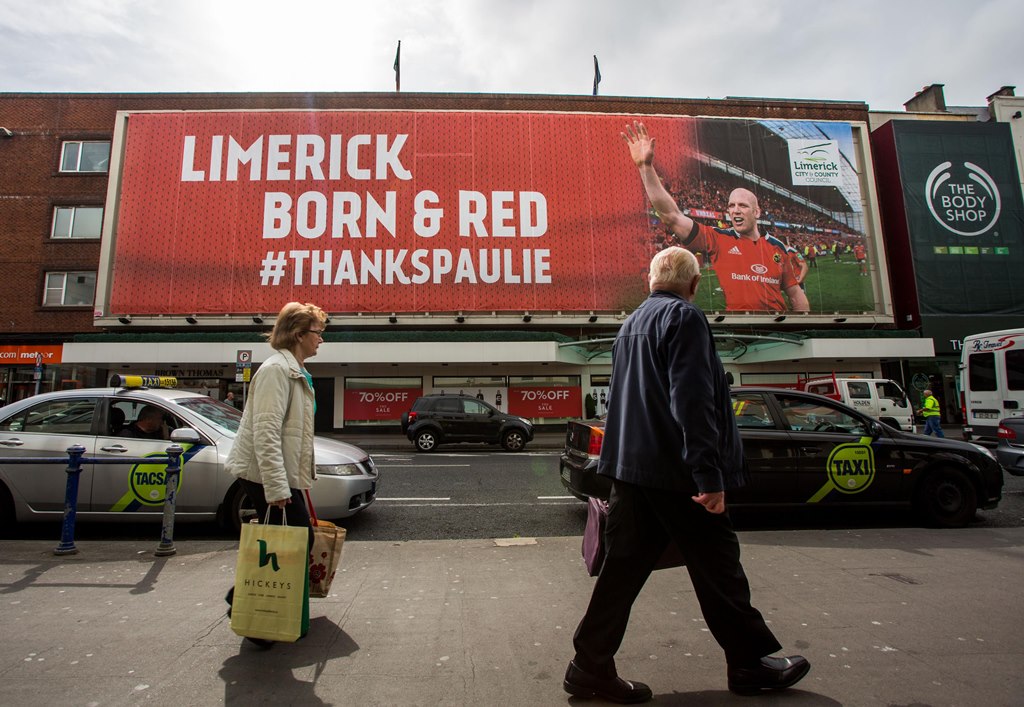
{"x": 77, "y": 222}
{"x": 69, "y": 289}
{"x": 85, "y": 156}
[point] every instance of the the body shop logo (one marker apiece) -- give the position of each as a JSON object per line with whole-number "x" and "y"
{"x": 964, "y": 199}
{"x": 759, "y": 269}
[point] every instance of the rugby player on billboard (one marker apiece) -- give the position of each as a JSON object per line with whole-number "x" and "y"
{"x": 754, "y": 270}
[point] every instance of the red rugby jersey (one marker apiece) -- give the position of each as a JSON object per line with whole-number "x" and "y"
{"x": 752, "y": 274}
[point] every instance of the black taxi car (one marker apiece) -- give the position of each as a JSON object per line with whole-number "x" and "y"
{"x": 807, "y": 450}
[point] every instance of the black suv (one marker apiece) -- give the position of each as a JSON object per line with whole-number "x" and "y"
{"x": 438, "y": 419}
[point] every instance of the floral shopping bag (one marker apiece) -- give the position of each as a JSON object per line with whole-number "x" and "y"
{"x": 324, "y": 557}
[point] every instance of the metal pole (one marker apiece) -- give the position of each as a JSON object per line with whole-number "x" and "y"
{"x": 74, "y": 470}
{"x": 166, "y": 546}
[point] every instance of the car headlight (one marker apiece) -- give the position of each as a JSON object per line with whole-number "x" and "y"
{"x": 985, "y": 450}
{"x": 338, "y": 470}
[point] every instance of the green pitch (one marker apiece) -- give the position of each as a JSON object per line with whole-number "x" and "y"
{"x": 830, "y": 287}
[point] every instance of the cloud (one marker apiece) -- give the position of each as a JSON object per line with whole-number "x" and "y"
{"x": 876, "y": 51}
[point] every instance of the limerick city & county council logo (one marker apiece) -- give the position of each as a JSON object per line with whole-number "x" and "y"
{"x": 815, "y": 162}
{"x": 964, "y": 199}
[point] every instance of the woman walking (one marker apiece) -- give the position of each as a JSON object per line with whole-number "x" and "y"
{"x": 272, "y": 456}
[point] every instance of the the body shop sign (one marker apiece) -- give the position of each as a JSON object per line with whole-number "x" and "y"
{"x": 964, "y": 216}
{"x": 378, "y": 403}
{"x": 545, "y": 401}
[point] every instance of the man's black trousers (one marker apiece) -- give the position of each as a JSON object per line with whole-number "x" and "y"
{"x": 641, "y": 523}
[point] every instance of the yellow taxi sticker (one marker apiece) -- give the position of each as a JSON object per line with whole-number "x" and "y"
{"x": 147, "y": 484}
{"x": 850, "y": 467}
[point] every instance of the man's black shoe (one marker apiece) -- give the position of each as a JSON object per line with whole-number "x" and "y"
{"x": 614, "y": 689}
{"x": 769, "y": 674}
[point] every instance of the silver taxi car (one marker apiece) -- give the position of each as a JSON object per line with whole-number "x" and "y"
{"x": 97, "y": 418}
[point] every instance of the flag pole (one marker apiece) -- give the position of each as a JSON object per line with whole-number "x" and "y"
{"x": 398, "y": 68}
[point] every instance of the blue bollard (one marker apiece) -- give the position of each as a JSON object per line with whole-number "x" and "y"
{"x": 74, "y": 471}
{"x": 166, "y": 546}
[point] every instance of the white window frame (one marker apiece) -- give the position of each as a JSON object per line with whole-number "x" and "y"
{"x": 62, "y": 287}
{"x": 78, "y": 161}
{"x": 71, "y": 226}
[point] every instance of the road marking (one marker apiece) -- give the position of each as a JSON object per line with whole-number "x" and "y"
{"x": 554, "y": 498}
{"x": 410, "y": 503}
{"x": 420, "y": 466}
{"x": 439, "y": 498}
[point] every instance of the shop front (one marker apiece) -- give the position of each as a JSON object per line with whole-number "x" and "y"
{"x": 29, "y": 369}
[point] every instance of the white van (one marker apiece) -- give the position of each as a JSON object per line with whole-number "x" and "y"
{"x": 992, "y": 381}
{"x": 878, "y": 397}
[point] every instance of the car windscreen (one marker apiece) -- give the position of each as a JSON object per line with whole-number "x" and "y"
{"x": 213, "y": 411}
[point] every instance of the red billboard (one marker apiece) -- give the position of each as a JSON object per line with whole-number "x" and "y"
{"x": 408, "y": 211}
{"x": 540, "y": 401}
{"x": 378, "y": 403}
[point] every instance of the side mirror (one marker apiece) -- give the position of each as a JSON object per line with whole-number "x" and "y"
{"x": 876, "y": 429}
{"x": 185, "y": 435}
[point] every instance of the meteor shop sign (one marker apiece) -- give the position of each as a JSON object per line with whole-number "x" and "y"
{"x": 419, "y": 211}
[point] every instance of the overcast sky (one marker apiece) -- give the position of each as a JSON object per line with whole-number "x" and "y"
{"x": 877, "y": 51}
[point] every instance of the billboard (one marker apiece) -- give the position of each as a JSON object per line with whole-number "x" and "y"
{"x": 963, "y": 214}
{"x": 420, "y": 211}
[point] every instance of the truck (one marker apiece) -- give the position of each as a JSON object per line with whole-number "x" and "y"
{"x": 991, "y": 382}
{"x": 880, "y": 398}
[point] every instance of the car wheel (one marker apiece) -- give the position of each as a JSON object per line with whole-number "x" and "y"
{"x": 426, "y": 441}
{"x": 7, "y": 518}
{"x": 947, "y": 498}
{"x": 513, "y": 441}
{"x": 238, "y": 509}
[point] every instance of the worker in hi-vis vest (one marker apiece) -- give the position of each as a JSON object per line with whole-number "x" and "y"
{"x": 930, "y": 412}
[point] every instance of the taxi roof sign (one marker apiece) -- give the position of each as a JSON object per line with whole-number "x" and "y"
{"x": 119, "y": 381}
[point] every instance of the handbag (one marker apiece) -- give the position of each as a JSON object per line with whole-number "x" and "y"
{"x": 270, "y": 581}
{"x": 325, "y": 555}
{"x": 593, "y": 541}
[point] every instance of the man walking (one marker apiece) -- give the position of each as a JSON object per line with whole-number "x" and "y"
{"x": 672, "y": 449}
{"x": 931, "y": 414}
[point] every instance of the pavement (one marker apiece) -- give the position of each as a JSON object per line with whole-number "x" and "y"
{"x": 886, "y": 616}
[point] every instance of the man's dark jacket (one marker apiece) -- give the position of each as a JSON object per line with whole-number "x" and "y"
{"x": 670, "y": 422}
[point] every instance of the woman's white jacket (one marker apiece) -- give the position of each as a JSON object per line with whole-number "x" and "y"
{"x": 274, "y": 444}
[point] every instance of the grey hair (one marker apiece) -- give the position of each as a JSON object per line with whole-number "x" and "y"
{"x": 673, "y": 268}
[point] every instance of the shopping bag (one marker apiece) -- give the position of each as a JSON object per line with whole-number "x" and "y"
{"x": 271, "y": 582}
{"x": 325, "y": 554}
{"x": 324, "y": 557}
{"x": 593, "y": 541}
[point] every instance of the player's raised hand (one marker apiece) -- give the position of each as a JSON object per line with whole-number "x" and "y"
{"x": 641, "y": 145}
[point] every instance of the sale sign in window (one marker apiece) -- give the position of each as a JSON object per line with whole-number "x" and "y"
{"x": 378, "y": 403}
{"x": 545, "y": 401}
